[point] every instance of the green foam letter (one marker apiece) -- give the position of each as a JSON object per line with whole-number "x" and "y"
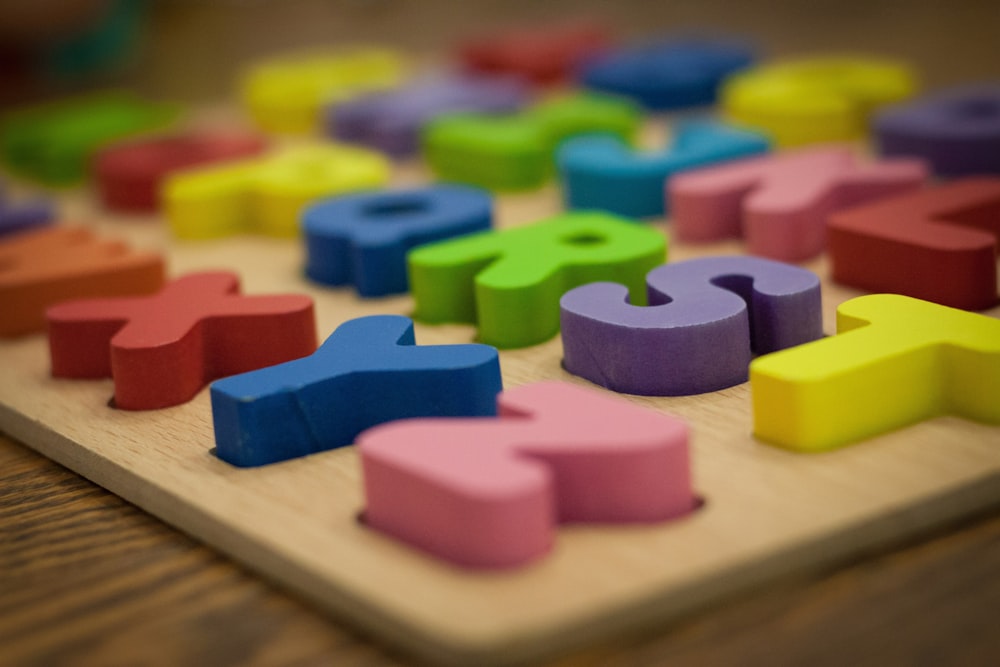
{"x": 510, "y": 281}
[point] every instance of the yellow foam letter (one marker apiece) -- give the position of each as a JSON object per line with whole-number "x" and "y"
{"x": 287, "y": 94}
{"x": 815, "y": 99}
{"x": 266, "y": 195}
{"x": 895, "y": 361}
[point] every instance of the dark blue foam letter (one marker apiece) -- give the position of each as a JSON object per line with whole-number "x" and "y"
{"x": 362, "y": 239}
{"x": 369, "y": 371}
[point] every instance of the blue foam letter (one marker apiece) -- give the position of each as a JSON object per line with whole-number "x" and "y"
{"x": 604, "y": 173}
{"x": 668, "y": 75}
{"x": 363, "y": 238}
{"x": 369, "y": 371}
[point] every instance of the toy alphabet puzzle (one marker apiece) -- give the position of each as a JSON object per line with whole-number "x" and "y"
{"x": 732, "y": 488}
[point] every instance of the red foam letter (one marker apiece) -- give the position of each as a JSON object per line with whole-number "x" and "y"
{"x": 938, "y": 244}
{"x": 162, "y": 349}
{"x": 129, "y": 176}
{"x": 542, "y": 56}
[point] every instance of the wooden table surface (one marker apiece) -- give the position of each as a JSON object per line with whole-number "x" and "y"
{"x": 87, "y": 579}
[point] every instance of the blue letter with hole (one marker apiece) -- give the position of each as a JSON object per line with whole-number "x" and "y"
{"x": 362, "y": 239}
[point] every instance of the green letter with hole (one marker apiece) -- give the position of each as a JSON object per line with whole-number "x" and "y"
{"x": 509, "y": 282}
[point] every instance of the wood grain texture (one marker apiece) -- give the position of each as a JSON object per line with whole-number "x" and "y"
{"x": 87, "y": 579}
{"x": 768, "y": 513}
{"x": 65, "y": 541}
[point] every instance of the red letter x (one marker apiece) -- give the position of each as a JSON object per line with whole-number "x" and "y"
{"x": 162, "y": 349}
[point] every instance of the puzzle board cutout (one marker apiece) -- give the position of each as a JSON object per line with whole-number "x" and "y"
{"x": 768, "y": 513}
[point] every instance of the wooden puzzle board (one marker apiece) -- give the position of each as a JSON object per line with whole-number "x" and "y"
{"x": 768, "y": 512}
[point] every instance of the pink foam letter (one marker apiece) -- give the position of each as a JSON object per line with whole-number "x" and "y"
{"x": 780, "y": 203}
{"x": 487, "y": 493}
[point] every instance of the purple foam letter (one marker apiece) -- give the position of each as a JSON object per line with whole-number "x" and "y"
{"x": 957, "y": 132}
{"x": 697, "y": 334}
{"x": 391, "y": 121}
